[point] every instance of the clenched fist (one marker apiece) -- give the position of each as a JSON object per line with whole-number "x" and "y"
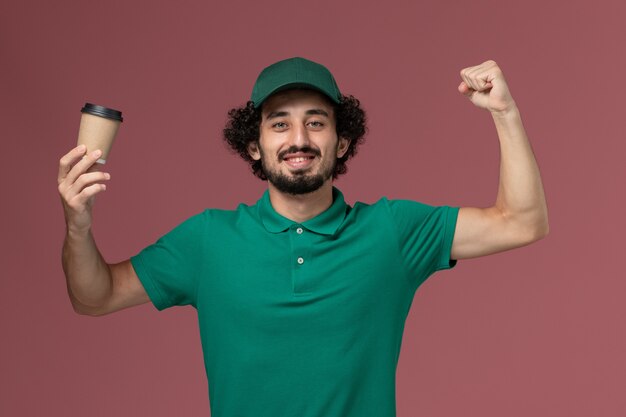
{"x": 486, "y": 87}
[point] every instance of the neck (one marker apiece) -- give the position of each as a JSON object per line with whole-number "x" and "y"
{"x": 302, "y": 207}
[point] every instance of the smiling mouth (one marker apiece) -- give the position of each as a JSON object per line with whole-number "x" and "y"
{"x": 298, "y": 159}
{"x": 300, "y": 162}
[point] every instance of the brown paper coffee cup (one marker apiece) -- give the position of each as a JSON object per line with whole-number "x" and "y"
{"x": 98, "y": 129}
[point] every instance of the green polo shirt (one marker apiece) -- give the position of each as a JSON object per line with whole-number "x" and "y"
{"x": 300, "y": 319}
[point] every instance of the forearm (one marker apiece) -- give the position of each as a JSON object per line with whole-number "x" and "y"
{"x": 87, "y": 274}
{"x": 520, "y": 193}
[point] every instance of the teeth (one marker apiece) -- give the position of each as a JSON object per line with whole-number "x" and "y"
{"x": 300, "y": 159}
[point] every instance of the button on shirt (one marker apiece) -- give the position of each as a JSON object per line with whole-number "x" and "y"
{"x": 300, "y": 319}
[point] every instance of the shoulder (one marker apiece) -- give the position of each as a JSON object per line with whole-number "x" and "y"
{"x": 405, "y": 214}
{"x": 206, "y": 215}
{"x": 228, "y": 217}
{"x": 385, "y": 211}
{"x": 394, "y": 207}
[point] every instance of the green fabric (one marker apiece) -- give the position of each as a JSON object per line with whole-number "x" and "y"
{"x": 294, "y": 73}
{"x": 319, "y": 338}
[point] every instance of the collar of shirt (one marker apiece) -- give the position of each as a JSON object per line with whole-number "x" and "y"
{"x": 325, "y": 223}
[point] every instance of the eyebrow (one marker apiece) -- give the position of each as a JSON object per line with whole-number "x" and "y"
{"x": 275, "y": 114}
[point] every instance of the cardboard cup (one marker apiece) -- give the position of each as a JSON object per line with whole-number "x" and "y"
{"x": 98, "y": 129}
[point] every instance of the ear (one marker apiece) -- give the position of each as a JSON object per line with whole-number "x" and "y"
{"x": 342, "y": 147}
{"x": 253, "y": 150}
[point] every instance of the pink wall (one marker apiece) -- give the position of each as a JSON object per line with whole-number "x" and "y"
{"x": 533, "y": 332}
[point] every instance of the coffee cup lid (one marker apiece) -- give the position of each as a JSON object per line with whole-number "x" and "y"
{"x": 102, "y": 111}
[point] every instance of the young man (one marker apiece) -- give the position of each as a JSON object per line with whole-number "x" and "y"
{"x": 301, "y": 298}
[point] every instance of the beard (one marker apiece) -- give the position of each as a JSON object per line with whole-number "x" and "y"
{"x": 299, "y": 182}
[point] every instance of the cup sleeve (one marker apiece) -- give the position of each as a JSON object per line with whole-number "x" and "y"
{"x": 425, "y": 235}
{"x": 169, "y": 268}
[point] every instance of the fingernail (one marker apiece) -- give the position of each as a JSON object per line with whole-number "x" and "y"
{"x": 97, "y": 152}
{"x": 81, "y": 148}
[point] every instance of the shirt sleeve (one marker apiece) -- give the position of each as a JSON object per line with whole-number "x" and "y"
{"x": 169, "y": 268}
{"x": 425, "y": 235}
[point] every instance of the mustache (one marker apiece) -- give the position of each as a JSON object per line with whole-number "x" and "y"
{"x": 294, "y": 149}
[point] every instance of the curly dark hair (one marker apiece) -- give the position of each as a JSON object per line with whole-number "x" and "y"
{"x": 243, "y": 124}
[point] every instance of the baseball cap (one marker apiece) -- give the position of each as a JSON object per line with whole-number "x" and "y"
{"x": 293, "y": 73}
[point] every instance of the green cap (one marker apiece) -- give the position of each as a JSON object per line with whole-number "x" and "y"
{"x": 293, "y": 73}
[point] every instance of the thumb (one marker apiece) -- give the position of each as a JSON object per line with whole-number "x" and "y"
{"x": 464, "y": 89}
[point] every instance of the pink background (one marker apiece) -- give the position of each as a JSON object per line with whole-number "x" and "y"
{"x": 538, "y": 331}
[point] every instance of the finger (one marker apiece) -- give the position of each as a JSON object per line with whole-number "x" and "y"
{"x": 483, "y": 79}
{"x": 474, "y": 77}
{"x": 81, "y": 167}
{"x": 67, "y": 161}
{"x": 464, "y": 89}
{"x": 82, "y": 198}
{"x": 465, "y": 75}
{"x": 84, "y": 181}
{"x": 464, "y": 78}
{"x": 490, "y": 72}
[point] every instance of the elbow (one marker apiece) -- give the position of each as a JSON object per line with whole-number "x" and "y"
{"x": 81, "y": 311}
{"x": 545, "y": 231}
{"x": 544, "y": 226}
{"x": 540, "y": 230}
{"x": 89, "y": 313}
{"x": 84, "y": 310}
{"x": 533, "y": 225}
{"x": 530, "y": 232}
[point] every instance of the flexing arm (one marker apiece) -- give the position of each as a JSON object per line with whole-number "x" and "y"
{"x": 519, "y": 215}
{"x": 94, "y": 287}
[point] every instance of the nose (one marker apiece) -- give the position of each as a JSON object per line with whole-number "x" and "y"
{"x": 300, "y": 136}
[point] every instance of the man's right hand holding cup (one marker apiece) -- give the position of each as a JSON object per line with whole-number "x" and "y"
{"x": 79, "y": 181}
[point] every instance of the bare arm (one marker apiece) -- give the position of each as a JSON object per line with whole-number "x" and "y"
{"x": 519, "y": 215}
{"x": 94, "y": 287}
